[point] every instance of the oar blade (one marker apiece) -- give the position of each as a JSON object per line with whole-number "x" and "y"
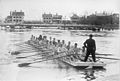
{"x": 15, "y": 53}
{"x": 24, "y": 64}
{"x": 20, "y": 57}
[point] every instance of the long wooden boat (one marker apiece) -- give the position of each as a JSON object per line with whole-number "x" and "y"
{"x": 76, "y": 62}
{"x": 82, "y": 64}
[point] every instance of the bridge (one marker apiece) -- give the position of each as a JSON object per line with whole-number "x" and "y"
{"x": 60, "y": 26}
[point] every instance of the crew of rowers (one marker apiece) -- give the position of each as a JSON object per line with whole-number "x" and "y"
{"x": 57, "y": 46}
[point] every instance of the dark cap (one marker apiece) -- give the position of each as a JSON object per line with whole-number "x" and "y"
{"x": 90, "y": 35}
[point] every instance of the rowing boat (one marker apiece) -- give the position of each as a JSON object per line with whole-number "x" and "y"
{"x": 75, "y": 62}
{"x": 80, "y": 63}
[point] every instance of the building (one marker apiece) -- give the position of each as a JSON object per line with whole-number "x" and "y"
{"x": 47, "y": 18}
{"x": 115, "y": 18}
{"x": 51, "y": 19}
{"x": 75, "y": 19}
{"x": 57, "y": 19}
{"x": 15, "y": 17}
{"x": 8, "y": 19}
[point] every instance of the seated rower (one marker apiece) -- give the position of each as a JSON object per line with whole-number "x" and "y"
{"x": 31, "y": 39}
{"x": 44, "y": 41}
{"x": 36, "y": 40}
{"x": 40, "y": 37}
{"x": 58, "y": 43}
{"x": 61, "y": 49}
{"x": 54, "y": 42}
{"x": 63, "y": 43}
{"x": 50, "y": 41}
{"x": 68, "y": 46}
{"x": 75, "y": 50}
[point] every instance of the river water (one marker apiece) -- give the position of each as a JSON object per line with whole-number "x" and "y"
{"x": 107, "y": 42}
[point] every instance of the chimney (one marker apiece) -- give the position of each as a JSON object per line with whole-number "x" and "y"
{"x": 10, "y": 13}
{"x": 20, "y": 10}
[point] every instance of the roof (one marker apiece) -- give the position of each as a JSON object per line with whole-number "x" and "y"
{"x": 75, "y": 16}
{"x": 57, "y": 16}
{"x": 18, "y": 14}
{"x": 9, "y": 17}
{"x": 46, "y": 15}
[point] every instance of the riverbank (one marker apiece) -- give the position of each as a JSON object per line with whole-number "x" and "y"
{"x": 61, "y": 26}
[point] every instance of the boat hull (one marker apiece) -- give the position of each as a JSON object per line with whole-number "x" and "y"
{"x": 81, "y": 64}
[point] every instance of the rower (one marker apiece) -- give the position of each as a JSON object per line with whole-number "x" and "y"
{"x": 31, "y": 39}
{"x": 50, "y": 41}
{"x": 54, "y": 42}
{"x": 40, "y": 37}
{"x": 58, "y": 43}
{"x": 63, "y": 43}
{"x": 68, "y": 46}
{"x": 37, "y": 40}
{"x": 75, "y": 50}
{"x": 45, "y": 41}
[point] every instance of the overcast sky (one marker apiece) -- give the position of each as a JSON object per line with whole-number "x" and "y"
{"x": 34, "y": 8}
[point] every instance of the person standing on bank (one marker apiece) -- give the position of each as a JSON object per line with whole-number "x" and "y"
{"x": 91, "y": 48}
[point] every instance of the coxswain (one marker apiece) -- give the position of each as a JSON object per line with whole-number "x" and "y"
{"x": 91, "y": 48}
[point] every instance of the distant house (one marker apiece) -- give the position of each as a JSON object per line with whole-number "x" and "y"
{"x": 57, "y": 19}
{"x": 47, "y": 18}
{"x": 75, "y": 19}
{"x": 51, "y": 19}
{"x": 15, "y": 17}
{"x": 115, "y": 18}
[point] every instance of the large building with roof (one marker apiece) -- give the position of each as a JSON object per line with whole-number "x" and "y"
{"x": 51, "y": 19}
{"x": 47, "y": 18}
{"x": 15, "y": 17}
{"x": 57, "y": 19}
{"x": 75, "y": 19}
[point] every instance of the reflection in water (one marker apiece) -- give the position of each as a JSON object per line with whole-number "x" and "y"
{"x": 89, "y": 74}
{"x": 53, "y": 70}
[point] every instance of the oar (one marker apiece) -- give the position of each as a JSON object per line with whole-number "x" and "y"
{"x": 34, "y": 55}
{"x": 25, "y": 45}
{"x": 20, "y": 43}
{"x": 27, "y": 50}
{"x": 111, "y": 58}
{"x": 38, "y": 46}
{"x": 104, "y": 54}
{"x": 15, "y": 53}
{"x": 45, "y": 59}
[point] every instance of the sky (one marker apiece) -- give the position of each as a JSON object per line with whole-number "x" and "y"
{"x": 35, "y": 8}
